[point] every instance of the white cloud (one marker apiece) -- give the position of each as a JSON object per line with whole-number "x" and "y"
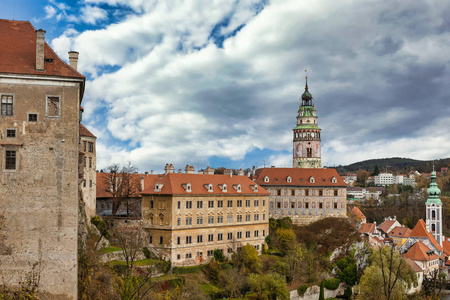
{"x": 162, "y": 88}
{"x": 93, "y": 14}
{"x": 50, "y": 11}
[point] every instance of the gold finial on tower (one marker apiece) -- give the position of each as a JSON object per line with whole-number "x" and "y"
{"x": 306, "y": 76}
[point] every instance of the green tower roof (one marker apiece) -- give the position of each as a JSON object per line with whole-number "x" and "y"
{"x": 433, "y": 191}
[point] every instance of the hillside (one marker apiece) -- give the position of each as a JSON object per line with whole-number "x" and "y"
{"x": 395, "y": 164}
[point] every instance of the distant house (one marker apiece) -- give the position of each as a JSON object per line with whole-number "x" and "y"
{"x": 424, "y": 257}
{"x": 364, "y": 193}
{"x": 399, "y": 235}
{"x": 358, "y": 215}
{"x": 368, "y": 228}
{"x": 388, "y": 224}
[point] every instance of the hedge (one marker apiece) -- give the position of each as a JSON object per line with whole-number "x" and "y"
{"x": 332, "y": 283}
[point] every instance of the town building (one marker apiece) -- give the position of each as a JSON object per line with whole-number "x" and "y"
{"x": 304, "y": 195}
{"x": 189, "y": 216}
{"x": 358, "y": 215}
{"x": 87, "y": 169}
{"x": 307, "y": 143}
{"x": 350, "y": 178}
{"x": 364, "y": 193}
{"x": 39, "y": 138}
{"x": 388, "y": 224}
{"x": 399, "y": 235}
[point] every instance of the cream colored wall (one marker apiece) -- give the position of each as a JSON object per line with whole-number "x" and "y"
{"x": 88, "y": 192}
{"x": 39, "y": 200}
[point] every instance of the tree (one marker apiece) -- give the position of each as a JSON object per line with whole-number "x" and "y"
{"x": 247, "y": 259}
{"x": 386, "y": 276}
{"x": 375, "y": 171}
{"x": 286, "y": 238}
{"x": 361, "y": 176}
{"x": 322, "y": 292}
{"x": 124, "y": 187}
{"x": 268, "y": 286}
{"x": 233, "y": 282}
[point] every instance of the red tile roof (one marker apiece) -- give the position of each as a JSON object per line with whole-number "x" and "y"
{"x": 386, "y": 225}
{"x": 420, "y": 231}
{"x": 419, "y": 252}
{"x": 103, "y": 186}
{"x": 299, "y": 177}
{"x": 367, "y": 227}
{"x": 413, "y": 265}
{"x": 173, "y": 185}
{"x": 18, "y": 52}
{"x": 358, "y": 213}
{"x": 85, "y": 132}
{"x": 446, "y": 246}
{"x": 401, "y": 232}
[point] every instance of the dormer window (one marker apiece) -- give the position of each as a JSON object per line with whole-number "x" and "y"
{"x": 266, "y": 178}
{"x": 187, "y": 187}
{"x": 209, "y": 187}
{"x": 334, "y": 180}
{"x": 289, "y": 179}
{"x": 237, "y": 187}
{"x": 158, "y": 187}
{"x": 311, "y": 179}
{"x": 223, "y": 187}
{"x": 254, "y": 187}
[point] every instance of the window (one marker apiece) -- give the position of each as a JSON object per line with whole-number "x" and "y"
{"x": 188, "y": 255}
{"x": 230, "y": 250}
{"x": 335, "y": 192}
{"x": 179, "y": 204}
{"x": 230, "y": 203}
{"x": 199, "y": 204}
{"x": 84, "y": 182}
{"x": 178, "y": 256}
{"x": 257, "y": 247}
{"x": 247, "y": 203}
{"x": 220, "y": 203}
{"x": 90, "y": 183}
{"x": 239, "y": 235}
{"x": 188, "y": 221}
{"x": 264, "y": 217}
{"x": 320, "y": 193}
{"x": 278, "y": 204}
{"x": 256, "y": 217}
{"x": 188, "y": 204}
{"x": 199, "y": 220}
{"x": 256, "y": 233}
{"x": 306, "y": 192}
{"x": 264, "y": 202}
{"x": 306, "y": 204}
{"x": 247, "y": 218}
{"x": 279, "y": 192}
{"x": 264, "y": 233}
{"x": 210, "y": 204}
{"x": 247, "y": 234}
{"x": 189, "y": 239}
{"x": 11, "y": 133}
{"x": 239, "y": 203}
{"x": 292, "y": 204}
{"x": 150, "y": 239}
{"x": 320, "y": 205}
{"x": 256, "y": 203}
{"x": 230, "y": 219}
{"x": 199, "y": 238}
{"x": 7, "y": 105}
{"x": 210, "y": 252}
{"x": 90, "y": 162}
{"x": 220, "y": 236}
{"x": 335, "y": 205}
{"x": 178, "y": 222}
{"x": 32, "y": 117}
{"x": 292, "y": 192}
{"x": 230, "y": 235}
{"x": 91, "y": 147}
{"x": 239, "y": 218}
{"x": 210, "y": 237}
{"x": 220, "y": 219}
{"x": 151, "y": 203}
{"x": 84, "y": 146}
{"x": 53, "y": 106}
{"x": 210, "y": 220}
{"x": 161, "y": 240}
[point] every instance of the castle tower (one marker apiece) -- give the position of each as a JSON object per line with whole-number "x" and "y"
{"x": 434, "y": 210}
{"x": 307, "y": 152}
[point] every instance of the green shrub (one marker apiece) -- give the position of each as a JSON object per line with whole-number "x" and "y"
{"x": 146, "y": 252}
{"x": 301, "y": 290}
{"x": 332, "y": 283}
{"x": 348, "y": 293}
{"x": 219, "y": 256}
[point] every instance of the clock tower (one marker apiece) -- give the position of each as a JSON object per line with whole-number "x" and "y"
{"x": 307, "y": 151}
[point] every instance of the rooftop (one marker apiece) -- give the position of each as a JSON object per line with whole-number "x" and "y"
{"x": 299, "y": 177}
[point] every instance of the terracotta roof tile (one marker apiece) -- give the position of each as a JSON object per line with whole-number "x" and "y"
{"x": 173, "y": 185}
{"x": 419, "y": 252}
{"x": 413, "y": 265}
{"x": 299, "y": 177}
{"x": 446, "y": 246}
{"x": 103, "y": 187}
{"x": 386, "y": 225}
{"x": 85, "y": 132}
{"x": 401, "y": 232}
{"x": 18, "y": 52}
{"x": 420, "y": 231}
{"x": 367, "y": 227}
{"x": 358, "y": 213}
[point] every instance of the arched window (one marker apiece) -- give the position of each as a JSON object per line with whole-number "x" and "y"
{"x": 433, "y": 227}
{"x": 433, "y": 214}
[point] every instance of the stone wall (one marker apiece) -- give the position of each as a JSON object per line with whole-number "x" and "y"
{"x": 39, "y": 199}
{"x": 313, "y": 292}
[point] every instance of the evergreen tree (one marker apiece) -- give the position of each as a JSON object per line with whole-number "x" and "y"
{"x": 375, "y": 171}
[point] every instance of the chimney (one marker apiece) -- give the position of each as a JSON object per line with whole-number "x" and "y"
{"x": 73, "y": 59}
{"x": 180, "y": 171}
{"x": 240, "y": 172}
{"x": 189, "y": 169}
{"x": 40, "y": 42}
{"x": 151, "y": 172}
{"x": 146, "y": 174}
{"x": 168, "y": 169}
{"x": 208, "y": 171}
{"x": 228, "y": 172}
{"x": 142, "y": 183}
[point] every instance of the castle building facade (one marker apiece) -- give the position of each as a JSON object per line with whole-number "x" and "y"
{"x": 39, "y": 137}
{"x": 189, "y": 216}
{"x": 307, "y": 142}
{"x": 304, "y": 195}
{"x": 87, "y": 169}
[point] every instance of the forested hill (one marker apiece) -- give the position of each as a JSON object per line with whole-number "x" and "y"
{"x": 396, "y": 164}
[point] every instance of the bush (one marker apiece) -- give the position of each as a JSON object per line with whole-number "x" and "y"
{"x": 188, "y": 270}
{"x": 331, "y": 284}
{"x": 301, "y": 290}
{"x": 146, "y": 252}
{"x": 348, "y": 293}
{"x": 219, "y": 256}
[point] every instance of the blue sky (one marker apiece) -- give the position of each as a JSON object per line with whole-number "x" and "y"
{"x": 218, "y": 83}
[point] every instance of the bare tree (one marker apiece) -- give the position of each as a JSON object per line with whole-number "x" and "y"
{"x": 123, "y": 184}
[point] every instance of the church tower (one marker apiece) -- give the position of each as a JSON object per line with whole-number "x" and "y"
{"x": 434, "y": 210}
{"x": 307, "y": 152}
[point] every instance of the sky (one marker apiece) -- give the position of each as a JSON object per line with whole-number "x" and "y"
{"x": 218, "y": 82}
